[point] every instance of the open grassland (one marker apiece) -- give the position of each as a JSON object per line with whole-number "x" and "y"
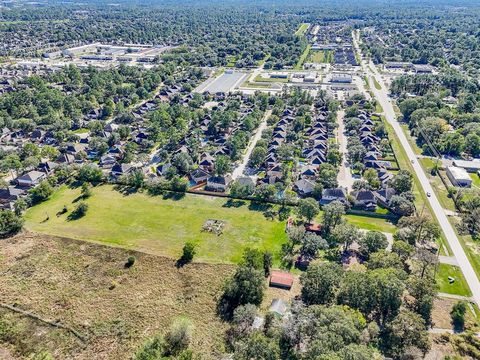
{"x": 302, "y": 29}
{"x": 302, "y": 58}
{"x": 320, "y": 56}
{"x": 160, "y": 226}
{"x": 458, "y": 287}
{"x": 87, "y": 287}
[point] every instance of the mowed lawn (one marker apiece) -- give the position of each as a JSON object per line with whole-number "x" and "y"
{"x": 458, "y": 287}
{"x": 159, "y": 226}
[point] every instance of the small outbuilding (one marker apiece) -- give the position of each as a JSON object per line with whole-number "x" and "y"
{"x": 281, "y": 279}
{"x": 459, "y": 176}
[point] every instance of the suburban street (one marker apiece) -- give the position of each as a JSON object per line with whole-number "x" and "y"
{"x": 246, "y": 157}
{"x": 453, "y": 241}
{"x": 344, "y": 178}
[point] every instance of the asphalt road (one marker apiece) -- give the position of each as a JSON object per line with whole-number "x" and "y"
{"x": 246, "y": 157}
{"x": 451, "y": 236}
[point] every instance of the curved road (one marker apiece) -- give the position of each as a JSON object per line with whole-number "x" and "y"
{"x": 457, "y": 249}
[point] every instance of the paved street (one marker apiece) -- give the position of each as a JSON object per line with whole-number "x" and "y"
{"x": 457, "y": 249}
{"x": 344, "y": 178}
{"x": 241, "y": 168}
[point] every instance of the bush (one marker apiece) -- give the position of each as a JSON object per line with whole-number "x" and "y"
{"x": 458, "y": 315}
{"x": 188, "y": 253}
{"x": 130, "y": 261}
{"x": 10, "y": 223}
{"x": 79, "y": 211}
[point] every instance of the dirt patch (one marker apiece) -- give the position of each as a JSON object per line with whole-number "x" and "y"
{"x": 88, "y": 288}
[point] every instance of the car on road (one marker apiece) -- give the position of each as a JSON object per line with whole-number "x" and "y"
{"x": 413, "y": 161}
{"x": 428, "y": 194}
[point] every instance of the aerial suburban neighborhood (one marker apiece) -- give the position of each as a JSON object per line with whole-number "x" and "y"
{"x": 239, "y": 180}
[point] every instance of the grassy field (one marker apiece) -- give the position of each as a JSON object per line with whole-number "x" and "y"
{"x": 87, "y": 287}
{"x": 302, "y": 29}
{"x": 259, "y": 78}
{"x": 459, "y": 287}
{"x": 160, "y": 226}
{"x": 319, "y": 57}
{"x": 302, "y": 58}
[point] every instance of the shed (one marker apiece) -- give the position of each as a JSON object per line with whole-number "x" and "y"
{"x": 281, "y": 279}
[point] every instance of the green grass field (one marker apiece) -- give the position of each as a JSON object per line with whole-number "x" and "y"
{"x": 302, "y": 58}
{"x": 319, "y": 57}
{"x": 302, "y": 29}
{"x": 459, "y": 287}
{"x": 159, "y": 226}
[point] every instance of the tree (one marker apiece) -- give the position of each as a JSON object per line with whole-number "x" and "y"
{"x": 325, "y": 333}
{"x": 472, "y": 144}
{"x": 407, "y": 330}
{"x": 245, "y": 287}
{"x": 222, "y": 165}
{"x": 258, "y": 156}
{"x": 320, "y": 283}
{"x": 10, "y": 223}
{"x": 371, "y": 176}
{"x": 79, "y": 211}
{"x": 424, "y": 291}
{"x": 402, "y": 182}
{"x": 403, "y": 249}
{"x": 382, "y": 259}
{"x": 90, "y": 173}
{"x": 371, "y": 242}
{"x": 458, "y": 315}
{"x": 332, "y": 216}
{"x": 267, "y": 262}
{"x": 188, "y": 252}
{"x": 86, "y": 190}
{"x": 311, "y": 244}
{"x": 41, "y": 192}
{"x": 401, "y": 206}
{"x": 417, "y": 230}
{"x": 345, "y": 234}
{"x": 327, "y": 175}
{"x": 183, "y": 162}
{"x": 308, "y": 208}
{"x": 256, "y": 346}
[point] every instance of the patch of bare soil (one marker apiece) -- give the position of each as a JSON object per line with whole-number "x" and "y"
{"x": 87, "y": 287}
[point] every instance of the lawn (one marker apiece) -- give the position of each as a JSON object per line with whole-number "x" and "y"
{"x": 260, "y": 78}
{"x": 304, "y": 55}
{"x": 160, "y": 226}
{"x": 302, "y": 29}
{"x": 476, "y": 179}
{"x": 377, "y": 85}
{"x": 319, "y": 57}
{"x": 458, "y": 287}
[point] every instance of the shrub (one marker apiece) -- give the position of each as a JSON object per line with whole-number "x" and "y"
{"x": 458, "y": 315}
{"x": 130, "y": 261}
{"x": 10, "y": 223}
{"x": 188, "y": 252}
{"x": 79, "y": 211}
